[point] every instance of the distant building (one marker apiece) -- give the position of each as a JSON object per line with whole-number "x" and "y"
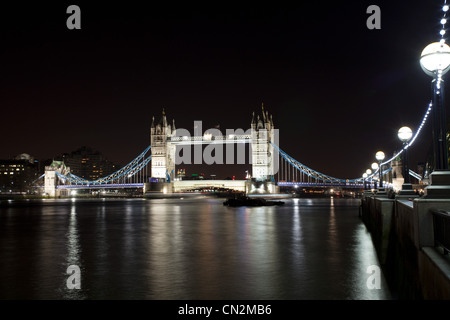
{"x": 18, "y": 174}
{"x": 88, "y": 163}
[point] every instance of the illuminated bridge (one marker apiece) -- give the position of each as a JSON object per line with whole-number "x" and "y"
{"x": 153, "y": 170}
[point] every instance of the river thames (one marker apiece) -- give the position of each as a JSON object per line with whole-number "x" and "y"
{"x": 177, "y": 249}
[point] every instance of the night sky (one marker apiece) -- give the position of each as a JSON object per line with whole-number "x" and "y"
{"x": 338, "y": 91}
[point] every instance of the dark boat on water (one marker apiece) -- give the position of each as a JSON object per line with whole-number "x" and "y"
{"x": 250, "y": 202}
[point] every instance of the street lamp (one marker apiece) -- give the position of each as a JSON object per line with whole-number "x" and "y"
{"x": 380, "y": 157}
{"x": 369, "y": 172}
{"x": 365, "y": 182}
{"x": 435, "y": 61}
{"x": 405, "y": 134}
{"x": 375, "y": 168}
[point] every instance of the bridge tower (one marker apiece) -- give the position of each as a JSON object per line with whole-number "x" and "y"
{"x": 397, "y": 173}
{"x": 263, "y": 158}
{"x": 163, "y": 152}
{"x": 50, "y": 178}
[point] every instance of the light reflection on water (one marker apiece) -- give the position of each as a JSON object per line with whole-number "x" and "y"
{"x": 73, "y": 256}
{"x": 186, "y": 249}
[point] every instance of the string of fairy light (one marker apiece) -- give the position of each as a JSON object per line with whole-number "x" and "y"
{"x": 424, "y": 120}
{"x": 442, "y": 32}
{"x": 445, "y": 8}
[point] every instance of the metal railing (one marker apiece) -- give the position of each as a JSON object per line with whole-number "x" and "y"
{"x": 441, "y": 225}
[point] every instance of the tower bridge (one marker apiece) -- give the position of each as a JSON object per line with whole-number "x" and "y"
{"x": 154, "y": 169}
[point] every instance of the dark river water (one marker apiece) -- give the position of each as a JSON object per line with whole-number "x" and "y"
{"x": 176, "y": 249}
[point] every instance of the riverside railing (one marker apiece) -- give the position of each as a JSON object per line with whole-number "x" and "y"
{"x": 441, "y": 225}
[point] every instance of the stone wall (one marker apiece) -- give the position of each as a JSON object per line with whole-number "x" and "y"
{"x": 402, "y": 233}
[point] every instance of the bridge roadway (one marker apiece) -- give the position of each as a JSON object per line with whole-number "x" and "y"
{"x": 100, "y": 186}
{"x": 178, "y": 186}
{"x": 319, "y": 184}
{"x": 238, "y": 185}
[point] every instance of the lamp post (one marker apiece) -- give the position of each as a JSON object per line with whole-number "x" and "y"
{"x": 405, "y": 134}
{"x": 365, "y": 182}
{"x": 380, "y": 157}
{"x": 435, "y": 61}
{"x": 375, "y": 168}
{"x": 369, "y": 172}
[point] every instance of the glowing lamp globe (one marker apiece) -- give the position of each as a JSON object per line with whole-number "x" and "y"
{"x": 404, "y": 134}
{"x": 379, "y": 156}
{"x": 364, "y": 175}
{"x": 368, "y": 171}
{"x": 435, "y": 58}
{"x": 374, "y": 166}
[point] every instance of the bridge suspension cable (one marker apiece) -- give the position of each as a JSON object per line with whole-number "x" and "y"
{"x": 410, "y": 143}
{"x": 306, "y": 170}
{"x": 292, "y": 170}
{"x": 123, "y": 175}
{"x": 287, "y": 173}
{"x": 424, "y": 120}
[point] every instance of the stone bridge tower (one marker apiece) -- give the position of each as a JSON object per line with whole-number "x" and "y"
{"x": 163, "y": 152}
{"x": 50, "y": 179}
{"x": 264, "y": 162}
{"x": 397, "y": 173}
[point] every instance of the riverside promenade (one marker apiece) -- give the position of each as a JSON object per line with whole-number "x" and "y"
{"x": 411, "y": 237}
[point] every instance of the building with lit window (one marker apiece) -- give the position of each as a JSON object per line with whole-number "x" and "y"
{"x": 18, "y": 174}
{"x": 88, "y": 163}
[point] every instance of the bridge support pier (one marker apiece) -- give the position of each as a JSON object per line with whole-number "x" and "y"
{"x": 158, "y": 187}
{"x": 261, "y": 187}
